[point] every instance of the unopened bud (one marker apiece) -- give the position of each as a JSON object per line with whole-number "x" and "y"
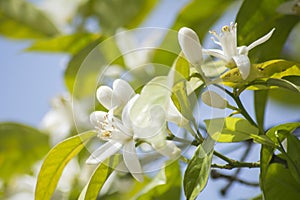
{"x": 213, "y": 99}
{"x": 190, "y": 45}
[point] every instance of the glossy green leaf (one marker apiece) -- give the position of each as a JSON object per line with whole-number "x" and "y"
{"x": 251, "y": 16}
{"x": 113, "y": 14}
{"x": 270, "y": 69}
{"x": 98, "y": 178}
{"x": 55, "y": 162}
{"x": 22, "y": 20}
{"x": 71, "y": 44}
{"x": 275, "y": 133}
{"x": 20, "y": 147}
{"x": 197, "y": 172}
{"x": 293, "y": 149}
{"x": 230, "y": 129}
{"x": 260, "y": 101}
{"x": 279, "y": 184}
{"x": 165, "y": 185}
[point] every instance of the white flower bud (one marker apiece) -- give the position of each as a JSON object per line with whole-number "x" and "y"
{"x": 190, "y": 45}
{"x": 213, "y": 99}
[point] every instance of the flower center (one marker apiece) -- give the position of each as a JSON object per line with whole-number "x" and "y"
{"x": 106, "y": 127}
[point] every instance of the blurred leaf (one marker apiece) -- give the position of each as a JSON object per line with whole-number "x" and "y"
{"x": 198, "y": 15}
{"x": 269, "y": 69}
{"x": 113, "y": 14}
{"x": 20, "y": 147}
{"x": 98, "y": 178}
{"x": 260, "y": 101}
{"x": 21, "y": 20}
{"x": 55, "y": 162}
{"x": 182, "y": 68}
{"x": 71, "y": 44}
{"x": 279, "y": 184}
{"x": 197, "y": 172}
{"x": 165, "y": 185}
{"x": 251, "y": 16}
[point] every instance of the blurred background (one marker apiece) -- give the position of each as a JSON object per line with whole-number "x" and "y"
{"x": 40, "y": 40}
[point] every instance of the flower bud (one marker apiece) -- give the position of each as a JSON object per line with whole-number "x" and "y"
{"x": 190, "y": 45}
{"x": 213, "y": 99}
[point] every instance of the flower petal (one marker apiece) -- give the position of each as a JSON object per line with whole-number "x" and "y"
{"x": 96, "y": 117}
{"x": 190, "y": 45}
{"x": 103, "y": 152}
{"x": 132, "y": 162}
{"x": 216, "y": 53}
{"x": 104, "y": 96}
{"x": 169, "y": 150}
{"x": 122, "y": 92}
{"x": 126, "y": 112}
{"x": 173, "y": 115}
{"x": 260, "y": 40}
{"x": 243, "y": 63}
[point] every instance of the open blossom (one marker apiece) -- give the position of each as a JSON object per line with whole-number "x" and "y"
{"x": 120, "y": 133}
{"x": 231, "y": 53}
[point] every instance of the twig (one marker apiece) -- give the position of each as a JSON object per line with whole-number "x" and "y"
{"x": 237, "y": 165}
{"x": 215, "y": 175}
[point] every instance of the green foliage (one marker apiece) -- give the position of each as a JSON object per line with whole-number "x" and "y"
{"x": 260, "y": 102}
{"x": 25, "y": 20}
{"x": 71, "y": 44}
{"x": 251, "y": 16}
{"x": 260, "y": 73}
{"x": 165, "y": 185}
{"x": 98, "y": 178}
{"x": 279, "y": 183}
{"x": 277, "y": 134}
{"x": 20, "y": 147}
{"x": 197, "y": 172}
{"x": 113, "y": 14}
{"x": 55, "y": 162}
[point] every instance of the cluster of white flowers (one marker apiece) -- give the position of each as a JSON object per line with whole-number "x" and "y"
{"x": 120, "y": 133}
{"x": 229, "y": 52}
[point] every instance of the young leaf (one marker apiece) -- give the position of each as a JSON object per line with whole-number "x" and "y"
{"x": 22, "y": 20}
{"x": 21, "y": 146}
{"x": 55, "y": 162}
{"x": 197, "y": 172}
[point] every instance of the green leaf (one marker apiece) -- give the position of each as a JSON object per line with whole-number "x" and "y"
{"x": 55, "y": 162}
{"x": 98, "y": 178}
{"x": 260, "y": 101}
{"x": 182, "y": 68}
{"x": 251, "y": 16}
{"x": 197, "y": 172}
{"x": 282, "y": 128}
{"x": 276, "y": 69}
{"x": 279, "y": 184}
{"x": 165, "y": 185}
{"x": 71, "y": 44}
{"x": 293, "y": 149}
{"x": 21, "y": 20}
{"x": 20, "y": 147}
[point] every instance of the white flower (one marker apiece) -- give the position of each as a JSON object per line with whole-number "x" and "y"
{"x": 190, "y": 45}
{"x": 119, "y": 135}
{"x": 60, "y": 120}
{"x": 231, "y": 53}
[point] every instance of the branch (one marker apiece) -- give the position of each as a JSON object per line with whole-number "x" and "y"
{"x": 216, "y": 175}
{"x": 237, "y": 165}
